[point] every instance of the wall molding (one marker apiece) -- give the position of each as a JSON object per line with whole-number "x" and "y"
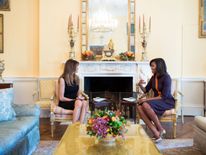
{"x": 191, "y": 105}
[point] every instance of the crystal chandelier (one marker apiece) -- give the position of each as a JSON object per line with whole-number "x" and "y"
{"x": 102, "y": 21}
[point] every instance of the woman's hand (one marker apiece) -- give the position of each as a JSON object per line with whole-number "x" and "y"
{"x": 142, "y": 100}
{"x": 80, "y": 97}
{"x": 141, "y": 82}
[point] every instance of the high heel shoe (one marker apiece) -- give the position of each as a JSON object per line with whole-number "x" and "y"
{"x": 163, "y": 133}
{"x": 158, "y": 140}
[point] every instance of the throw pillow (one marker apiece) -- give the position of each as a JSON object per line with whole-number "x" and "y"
{"x": 6, "y": 99}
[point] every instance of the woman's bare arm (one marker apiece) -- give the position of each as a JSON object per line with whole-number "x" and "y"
{"x": 140, "y": 84}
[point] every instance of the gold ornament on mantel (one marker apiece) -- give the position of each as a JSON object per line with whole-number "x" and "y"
{"x": 144, "y": 31}
{"x": 2, "y": 68}
{"x": 108, "y": 52}
{"x": 72, "y": 36}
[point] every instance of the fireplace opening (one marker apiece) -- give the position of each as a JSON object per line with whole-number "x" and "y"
{"x": 112, "y": 88}
{"x": 109, "y": 84}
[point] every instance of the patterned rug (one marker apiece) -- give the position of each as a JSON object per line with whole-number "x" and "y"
{"x": 167, "y": 147}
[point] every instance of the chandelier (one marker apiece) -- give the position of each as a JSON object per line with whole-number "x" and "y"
{"x": 102, "y": 21}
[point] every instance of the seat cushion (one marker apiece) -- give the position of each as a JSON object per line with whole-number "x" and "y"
{"x": 6, "y": 110}
{"x": 169, "y": 112}
{"x": 201, "y": 122}
{"x": 44, "y": 104}
{"x": 58, "y": 116}
{"x": 12, "y": 131}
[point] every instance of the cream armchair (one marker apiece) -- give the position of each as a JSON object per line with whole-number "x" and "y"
{"x": 42, "y": 96}
{"x": 170, "y": 115}
{"x": 61, "y": 118}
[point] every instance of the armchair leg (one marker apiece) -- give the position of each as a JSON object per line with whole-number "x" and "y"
{"x": 138, "y": 118}
{"x": 174, "y": 129}
{"x": 52, "y": 129}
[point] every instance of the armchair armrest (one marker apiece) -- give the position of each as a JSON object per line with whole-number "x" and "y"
{"x": 35, "y": 95}
{"x": 27, "y": 110}
{"x": 180, "y": 93}
{"x": 85, "y": 95}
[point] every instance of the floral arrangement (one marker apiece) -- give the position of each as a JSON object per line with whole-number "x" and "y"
{"x": 127, "y": 56}
{"x": 88, "y": 55}
{"x": 105, "y": 123}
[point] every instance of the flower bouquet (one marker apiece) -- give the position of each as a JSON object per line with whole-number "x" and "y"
{"x": 127, "y": 56}
{"x": 104, "y": 124}
{"x": 88, "y": 55}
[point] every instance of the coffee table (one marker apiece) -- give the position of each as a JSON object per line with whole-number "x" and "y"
{"x": 76, "y": 142}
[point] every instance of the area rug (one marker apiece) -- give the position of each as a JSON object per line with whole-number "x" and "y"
{"x": 167, "y": 147}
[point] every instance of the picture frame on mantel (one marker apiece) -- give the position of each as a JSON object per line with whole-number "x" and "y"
{"x": 4, "y": 5}
{"x": 1, "y": 33}
{"x": 202, "y": 18}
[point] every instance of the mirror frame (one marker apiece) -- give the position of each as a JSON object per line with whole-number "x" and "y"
{"x": 84, "y": 25}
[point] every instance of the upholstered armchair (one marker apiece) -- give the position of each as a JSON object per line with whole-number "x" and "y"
{"x": 170, "y": 115}
{"x": 61, "y": 118}
{"x": 42, "y": 96}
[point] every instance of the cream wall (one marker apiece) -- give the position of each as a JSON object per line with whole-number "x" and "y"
{"x": 165, "y": 38}
{"x": 21, "y": 39}
{"x": 36, "y": 41}
{"x": 53, "y": 39}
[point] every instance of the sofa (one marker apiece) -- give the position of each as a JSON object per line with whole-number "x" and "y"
{"x": 20, "y": 136}
{"x": 200, "y": 133}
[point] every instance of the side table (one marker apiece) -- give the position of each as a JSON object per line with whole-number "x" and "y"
{"x": 6, "y": 85}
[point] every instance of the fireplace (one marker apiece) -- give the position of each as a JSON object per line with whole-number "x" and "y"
{"x": 112, "y": 88}
{"x": 108, "y": 84}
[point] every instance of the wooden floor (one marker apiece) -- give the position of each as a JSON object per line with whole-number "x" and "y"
{"x": 183, "y": 130}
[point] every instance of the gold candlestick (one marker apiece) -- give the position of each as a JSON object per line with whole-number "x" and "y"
{"x": 72, "y": 36}
{"x": 144, "y": 34}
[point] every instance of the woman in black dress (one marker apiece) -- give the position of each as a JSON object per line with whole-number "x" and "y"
{"x": 163, "y": 100}
{"x": 70, "y": 98}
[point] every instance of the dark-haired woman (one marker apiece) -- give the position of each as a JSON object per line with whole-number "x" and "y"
{"x": 70, "y": 99}
{"x": 149, "y": 109}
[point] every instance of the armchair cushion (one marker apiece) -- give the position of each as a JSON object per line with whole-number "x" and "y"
{"x": 6, "y": 99}
{"x": 169, "y": 112}
{"x": 26, "y": 109}
{"x": 44, "y": 104}
{"x": 63, "y": 117}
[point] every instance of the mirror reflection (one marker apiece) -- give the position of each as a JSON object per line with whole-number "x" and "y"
{"x": 108, "y": 21}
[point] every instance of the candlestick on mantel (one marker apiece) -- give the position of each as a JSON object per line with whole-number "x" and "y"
{"x": 72, "y": 35}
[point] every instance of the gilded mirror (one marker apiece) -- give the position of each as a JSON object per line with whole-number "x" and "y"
{"x": 103, "y": 22}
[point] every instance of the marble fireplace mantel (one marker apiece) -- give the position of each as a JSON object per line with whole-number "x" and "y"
{"x": 135, "y": 69}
